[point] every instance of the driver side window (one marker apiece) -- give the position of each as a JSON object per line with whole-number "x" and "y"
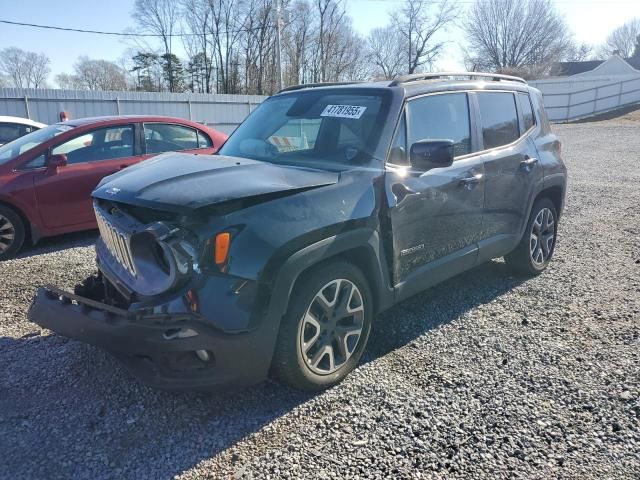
{"x": 101, "y": 144}
{"x": 441, "y": 117}
{"x": 398, "y": 154}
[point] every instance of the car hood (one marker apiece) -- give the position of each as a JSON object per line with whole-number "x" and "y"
{"x": 184, "y": 182}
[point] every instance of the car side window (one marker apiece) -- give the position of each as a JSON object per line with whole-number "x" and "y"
{"x": 499, "y": 118}
{"x": 527, "y": 111}
{"x": 101, "y": 144}
{"x": 203, "y": 140}
{"x": 10, "y": 131}
{"x": 39, "y": 162}
{"x": 168, "y": 137}
{"x": 541, "y": 114}
{"x": 440, "y": 117}
{"x": 398, "y": 153}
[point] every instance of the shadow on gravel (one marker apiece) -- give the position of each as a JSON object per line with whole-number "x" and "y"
{"x": 58, "y": 243}
{"x": 438, "y": 306}
{"x": 69, "y": 410}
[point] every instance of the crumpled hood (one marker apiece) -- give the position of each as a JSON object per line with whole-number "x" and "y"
{"x": 182, "y": 182}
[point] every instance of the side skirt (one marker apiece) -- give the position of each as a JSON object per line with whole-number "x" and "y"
{"x": 436, "y": 272}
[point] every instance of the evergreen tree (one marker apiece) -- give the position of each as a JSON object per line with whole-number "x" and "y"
{"x": 173, "y": 72}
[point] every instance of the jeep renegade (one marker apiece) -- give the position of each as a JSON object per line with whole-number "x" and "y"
{"x": 328, "y": 205}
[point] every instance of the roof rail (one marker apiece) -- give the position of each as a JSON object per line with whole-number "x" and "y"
{"x": 315, "y": 85}
{"x": 416, "y": 77}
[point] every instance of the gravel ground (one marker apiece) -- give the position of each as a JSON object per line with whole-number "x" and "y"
{"x": 485, "y": 376}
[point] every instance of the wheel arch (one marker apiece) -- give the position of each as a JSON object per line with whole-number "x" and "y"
{"x": 555, "y": 193}
{"x": 31, "y": 233}
{"x": 361, "y": 247}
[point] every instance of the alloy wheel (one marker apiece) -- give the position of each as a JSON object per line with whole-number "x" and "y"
{"x": 7, "y": 233}
{"x": 331, "y": 326}
{"x": 542, "y": 237}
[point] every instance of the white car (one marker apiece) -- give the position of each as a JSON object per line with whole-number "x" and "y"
{"x": 15, "y": 127}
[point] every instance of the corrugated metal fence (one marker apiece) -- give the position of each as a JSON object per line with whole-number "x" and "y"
{"x": 223, "y": 112}
{"x": 566, "y": 99}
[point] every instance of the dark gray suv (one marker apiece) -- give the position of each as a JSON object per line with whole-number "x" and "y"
{"x": 329, "y": 204}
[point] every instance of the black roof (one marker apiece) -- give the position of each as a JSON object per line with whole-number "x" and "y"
{"x": 566, "y": 69}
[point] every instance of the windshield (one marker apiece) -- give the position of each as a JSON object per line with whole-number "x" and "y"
{"x": 12, "y": 149}
{"x": 312, "y": 127}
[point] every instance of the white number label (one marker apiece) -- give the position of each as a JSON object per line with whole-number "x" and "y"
{"x": 343, "y": 111}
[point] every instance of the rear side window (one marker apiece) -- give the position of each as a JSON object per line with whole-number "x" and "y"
{"x": 527, "y": 111}
{"x": 541, "y": 114}
{"x": 166, "y": 137}
{"x": 203, "y": 140}
{"x": 499, "y": 118}
{"x": 440, "y": 117}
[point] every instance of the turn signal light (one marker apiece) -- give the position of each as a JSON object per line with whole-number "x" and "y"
{"x": 223, "y": 241}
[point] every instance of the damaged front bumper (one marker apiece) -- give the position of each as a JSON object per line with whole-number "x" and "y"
{"x": 181, "y": 350}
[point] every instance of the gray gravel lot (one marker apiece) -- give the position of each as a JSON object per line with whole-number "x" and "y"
{"x": 485, "y": 376}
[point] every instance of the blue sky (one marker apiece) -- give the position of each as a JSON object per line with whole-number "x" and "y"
{"x": 590, "y": 20}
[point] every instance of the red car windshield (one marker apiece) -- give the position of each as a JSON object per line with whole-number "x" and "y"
{"x": 20, "y": 145}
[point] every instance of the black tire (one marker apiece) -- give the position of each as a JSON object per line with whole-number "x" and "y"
{"x": 12, "y": 232}
{"x": 529, "y": 257}
{"x": 290, "y": 363}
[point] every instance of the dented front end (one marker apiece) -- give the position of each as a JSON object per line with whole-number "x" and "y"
{"x": 144, "y": 258}
{"x": 173, "y": 323}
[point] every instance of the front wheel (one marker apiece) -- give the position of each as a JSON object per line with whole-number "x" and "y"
{"x": 534, "y": 252}
{"x": 326, "y": 328}
{"x": 12, "y": 233}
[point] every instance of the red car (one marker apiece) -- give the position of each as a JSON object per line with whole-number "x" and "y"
{"x": 46, "y": 177}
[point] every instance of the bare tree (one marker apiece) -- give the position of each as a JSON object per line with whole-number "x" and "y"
{"x": 99, "y": 75}
{"x": 226, "y": 29}
{"x": 515, "y": 34}
{"x": 38, "y": 69}
{"x": 346, "y": 54}
{"x": 67, "y": 81}
{"x": 160, "y": 17}
{"x": 419, "y": 22}
{"x": 386, "y": 51}
{"x": 25, "y": 69}
{"x": 297, "y": 40}
{"x": 231, "y": 45}
{"x": 622, "y": 40}
{"x": 197, "y": 18}
{"x": 578, "y": 52}
{"x": 259, "y": 47}
{"x": 330, "y": 15}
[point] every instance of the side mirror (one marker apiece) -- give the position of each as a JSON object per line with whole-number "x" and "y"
{"x": 55, "y": 161}
{"x": 428, "y": 154}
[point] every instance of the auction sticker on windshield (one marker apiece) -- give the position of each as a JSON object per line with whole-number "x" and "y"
{"x": 343, "y": 111}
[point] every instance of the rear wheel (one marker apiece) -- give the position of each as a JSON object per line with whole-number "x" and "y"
{"x": 534, "y": 252}
{"x": 325, "y": 331}
{"x": 12, "y": 232}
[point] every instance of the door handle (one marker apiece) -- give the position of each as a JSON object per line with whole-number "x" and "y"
{"x": 528, "y": 162}
{"x": 470, "y": 182}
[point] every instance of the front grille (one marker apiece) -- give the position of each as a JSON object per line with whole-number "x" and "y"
{"x": 116, "y": 242}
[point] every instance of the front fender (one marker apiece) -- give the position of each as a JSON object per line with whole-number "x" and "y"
{"x": 363, "y": 239}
